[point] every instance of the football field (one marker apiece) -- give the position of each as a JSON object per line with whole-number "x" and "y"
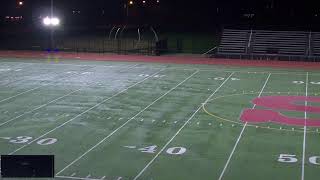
{"x": 151, "y": 121}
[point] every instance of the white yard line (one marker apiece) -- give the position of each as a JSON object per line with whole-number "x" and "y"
{"x": 6, "y": 99}
{"x": 304, "y": 130}
{"x": 98, "y": 104}
{"x": 3, "y": 100}
{"x": 79, "y": 178}
{"x": 124, "y": 124}
{"x": 190, "y": 118}
{"x": 240, "y": 136}
{"x": 57, "y": 99}
{"x": 39, "y": 107}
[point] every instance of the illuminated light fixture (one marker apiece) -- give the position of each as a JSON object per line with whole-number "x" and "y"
{"x": 55, "y": 21}
{"x": 51, "y": 21}
{"x": 143, "y": 2}
{"x": 130, "y": 2}
{"x": 47, "y": 21}
{"x": 158, "y": 1}
{"x": 20, "y": 3}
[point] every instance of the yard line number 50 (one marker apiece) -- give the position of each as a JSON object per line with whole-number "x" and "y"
{"x": 290, "y": 158}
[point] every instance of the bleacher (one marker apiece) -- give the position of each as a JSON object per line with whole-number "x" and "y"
{"x": 233, "y": 42}
{"x": 315, "y": 44}
{"x": 264, "y": 44}
{"x": 283, "y": 43}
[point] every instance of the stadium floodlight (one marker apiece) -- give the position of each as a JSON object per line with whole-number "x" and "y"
{"x": 54, "y": 21}
{"x": 47, "y": 21}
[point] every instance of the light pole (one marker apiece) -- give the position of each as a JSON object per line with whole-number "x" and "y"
{"x": 51, "y": 34}
{"x": 51, "y": 22}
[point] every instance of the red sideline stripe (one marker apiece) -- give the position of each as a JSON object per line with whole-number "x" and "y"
{"x": 164, "y": 59}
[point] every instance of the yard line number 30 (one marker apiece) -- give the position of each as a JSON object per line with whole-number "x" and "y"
{"x": 26, "y": 139}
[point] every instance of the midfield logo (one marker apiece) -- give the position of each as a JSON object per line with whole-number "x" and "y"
{"x": 274, "y": 104}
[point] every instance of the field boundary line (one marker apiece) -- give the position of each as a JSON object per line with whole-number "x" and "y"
{"x": 304, "y": 130}
{"x": 241, "y": 133}
{"x": 75, "y": 117}
{"x": 181, "y": 128}
{"x": 124, "y": 124}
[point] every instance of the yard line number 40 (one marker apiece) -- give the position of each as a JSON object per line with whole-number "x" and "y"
{"x": 290, "y": 158}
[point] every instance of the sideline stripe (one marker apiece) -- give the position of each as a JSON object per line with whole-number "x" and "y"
{"x": 244, "y": 127}
{"x": 190, "y": 118}
{"x": 124, "y": 124}
{"x": 304, "y": 130}
{"x": 124, "y": 90}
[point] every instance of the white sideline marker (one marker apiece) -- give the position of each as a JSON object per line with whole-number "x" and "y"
{"x": 190, "y": 118}
{"x": 124, "y": 124}
{"x": 244, "y": 127}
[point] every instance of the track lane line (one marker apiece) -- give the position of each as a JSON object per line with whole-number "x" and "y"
{"x": 75, "y": 117}
{"x": 190, "y": 118}
{"x": 124, "y": 124}
{"x": 240, "y": 136}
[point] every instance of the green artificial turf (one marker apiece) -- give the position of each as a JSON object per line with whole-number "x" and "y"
{"x": 118, "y": 120}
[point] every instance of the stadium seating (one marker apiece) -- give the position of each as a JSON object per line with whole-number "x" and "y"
{"x": 261, "y": 43}
{"x": 233, "y": 42}
{"x": 315, "y": 44}
{"x": 280, "y": 42}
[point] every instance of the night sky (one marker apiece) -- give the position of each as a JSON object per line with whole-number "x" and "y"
{"x": 171, "y": 12}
